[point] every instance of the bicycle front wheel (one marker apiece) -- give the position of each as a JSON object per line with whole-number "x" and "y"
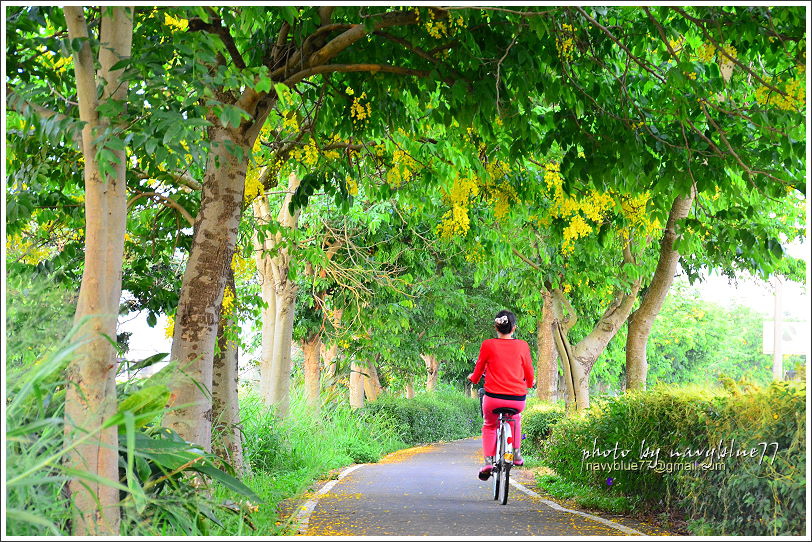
{"x": 504, "y": 483}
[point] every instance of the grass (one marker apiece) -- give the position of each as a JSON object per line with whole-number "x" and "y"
{"x": 288, "y": 456}
{"x": 585, "y": 497}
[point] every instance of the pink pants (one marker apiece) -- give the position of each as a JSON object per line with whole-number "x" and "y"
{"x": 491, "y": 422}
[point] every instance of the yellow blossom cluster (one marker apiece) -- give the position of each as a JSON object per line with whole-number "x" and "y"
{"x": 169, "y": 330}
{"x": 402, "y": 168}
{"x": 352, "y": 186}
{"x": 253, "y": 186}
{"x": 635, "y": 210}
{"x": 476, "y": 254}
{"x": 706, "y": 52}
{"x": 439, "y": 29}
{"x": 290, "y": 121}
{"x": 795, "y": 90}
{"x": 567, "y": 288}
{"x": 25, "y": 251}
{"x": 676, "y": 45}
{"x": 359, "y": 111}
{"x": 552, "y": 176}
{"x": 456, "y": 221}
{"x": 593, "y": 206}
{"x": 576, "y": 229}
{"x": 244, "y": 268}
{"x": 497, "y": 190}
{"x": 175, "y": 23}
{"x": 565, "y": 42}
{"x": 58, "y": 63}
{"x": 310, "y": 154}
{"x": 228, "y": 302}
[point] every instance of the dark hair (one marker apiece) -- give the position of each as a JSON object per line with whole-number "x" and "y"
{"x": 502, "y": 326}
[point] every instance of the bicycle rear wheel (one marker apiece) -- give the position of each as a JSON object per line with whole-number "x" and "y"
{"x": 504, "y": 465}
{"x": 497, "y": 464}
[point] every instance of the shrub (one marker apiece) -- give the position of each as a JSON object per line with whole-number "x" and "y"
{"x": 428, "y": 417}
{"x": 747, "y": 496}
{"x": 538, "y": 420}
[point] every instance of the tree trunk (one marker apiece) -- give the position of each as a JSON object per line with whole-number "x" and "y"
{"x": 642, "y": 319}
{"x": 268, "y": 315}
{"x": 432, "y": 370}
{"x": 201, "y": 295}
{"x": 547, "y": 372}
{"x": 279, "y": 292}
{"x": 579, "y": 360}
{"x": 91, "y": 393}
{"x": 225, "y": 385}
{"x": 409, "y": 390}
{"x": 329, "y": 355}
{"x": 311, "y": 348}
{"x": 372, "y": 384}
{"x": 356, "y": 385}
{"x": 283, "y": 341}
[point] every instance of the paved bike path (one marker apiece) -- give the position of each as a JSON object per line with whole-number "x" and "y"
{"x": 434, "y": 491}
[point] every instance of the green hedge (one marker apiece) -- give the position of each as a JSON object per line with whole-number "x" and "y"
{"x": 428, "y": 417}
{"x": 538, "y": 420}
{"x": 748, "y": 496}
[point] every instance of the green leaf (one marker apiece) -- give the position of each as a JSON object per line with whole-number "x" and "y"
{"x": 228, "y": 481}
{"x": 136, "y": 490}
{"x": 145, "y": 404}
{"x": 13, "y": 514}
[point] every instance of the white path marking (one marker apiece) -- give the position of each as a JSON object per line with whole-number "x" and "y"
{"x": 556, "y": 506}
{"x": 304, "y": 513}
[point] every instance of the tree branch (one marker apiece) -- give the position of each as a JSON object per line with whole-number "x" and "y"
{"x": 181, "y": 177}
{"x": 350, "y": 36}
{"x": 725, "y": 53}
{"x": 17, "y": 103}
{"x": 166, "y": 201}
{"x": 345, "y": 68}
{"x": 85, "y": 75}
{"x": 614, "y": 39}
{"x": 527, "y": 260}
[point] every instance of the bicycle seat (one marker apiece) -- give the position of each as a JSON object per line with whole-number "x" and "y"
{"x": 505, "y": 410}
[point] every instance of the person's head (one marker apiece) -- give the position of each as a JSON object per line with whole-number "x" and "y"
{"x": 505, "y": 322}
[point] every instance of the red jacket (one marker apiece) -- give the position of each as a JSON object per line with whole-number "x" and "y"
{"x": 507, "y": 366}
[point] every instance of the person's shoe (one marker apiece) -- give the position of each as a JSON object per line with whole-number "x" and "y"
{"x": 485, "y": 471}
{"x": 518, "y": 460}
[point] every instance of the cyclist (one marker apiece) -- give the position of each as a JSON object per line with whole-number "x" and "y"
{"x": 509, "y": 374}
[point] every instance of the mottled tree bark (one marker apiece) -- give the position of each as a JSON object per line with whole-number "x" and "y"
{"x": 547, "y": 369}
{"x": 356, "y": 385}
{"x": 329, "y": 354}
{"x": 372, "y": 384}
{"x": 279, "y": 292}
{"x": 91, "y": 392}
{"x": 409, "y": 390}
{"x": 201, "y": 295}
{"x": 227, "y": 441}
{"x": 642, "y": 319}
{"x": 312, "y": 378}
{"x": 432, "y": 370}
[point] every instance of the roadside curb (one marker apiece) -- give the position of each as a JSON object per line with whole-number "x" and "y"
{"x": 302, "y": 517}
{"x": 558, "y": 507}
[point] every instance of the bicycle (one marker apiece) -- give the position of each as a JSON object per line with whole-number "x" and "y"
{"x": 503, "y": 460}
